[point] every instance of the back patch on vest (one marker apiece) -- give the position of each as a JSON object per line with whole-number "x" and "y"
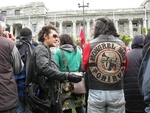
{"x": 106, "y": 62}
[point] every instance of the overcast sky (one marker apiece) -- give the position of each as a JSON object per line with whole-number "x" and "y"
{"x": 56, "y": 5}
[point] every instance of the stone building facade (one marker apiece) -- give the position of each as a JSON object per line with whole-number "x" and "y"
{"x": 35, "y": 15}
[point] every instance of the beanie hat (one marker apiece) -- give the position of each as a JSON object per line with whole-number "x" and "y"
{"x": 25, "y": 32}
{"x": 1, "y": 18}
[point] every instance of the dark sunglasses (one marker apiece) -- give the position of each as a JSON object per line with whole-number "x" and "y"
{"x": 55, "y": 36}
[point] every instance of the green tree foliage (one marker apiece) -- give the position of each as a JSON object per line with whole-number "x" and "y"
{"x": 77, "y": 42}
{"x": 144, "y": 31}
{"x": 126, "y": 39}
{"x": 148, "y": 30}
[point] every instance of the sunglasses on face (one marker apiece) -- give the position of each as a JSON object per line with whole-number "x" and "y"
{"x": 55, "y": 36}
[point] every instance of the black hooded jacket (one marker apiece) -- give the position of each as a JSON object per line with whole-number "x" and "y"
{"x": 133, "y": 97}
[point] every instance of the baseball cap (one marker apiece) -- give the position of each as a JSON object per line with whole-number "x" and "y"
{"x": 25, "y": 32}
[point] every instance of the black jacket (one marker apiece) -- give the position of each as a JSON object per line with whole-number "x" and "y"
{"x": 44, "y": 67}
{"x": 44, "y": 71}
{"x": 133, "y": 97}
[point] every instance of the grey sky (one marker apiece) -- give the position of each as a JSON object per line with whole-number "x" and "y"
{"x": 55, "y": 5}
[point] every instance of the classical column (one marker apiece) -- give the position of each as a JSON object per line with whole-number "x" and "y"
{"x": 144, "y": 21}
{"x": 145, "y": 24}
{"x": 148, "y": 21}
{"x": 94, "y": 20}
{"x": 74, "y": 29}
{"x": 88, "y": 29}
{"x": 16, "y": 31}
{"x": 29, "y": 21}
{"x": 139, "y": 27}
{"x": 11, "y": 29}
{"x": 130, "y": 28}
{"x": 23, "y": 25}
{"x": 116, "y": 24}
{"x": 60, "y": 26}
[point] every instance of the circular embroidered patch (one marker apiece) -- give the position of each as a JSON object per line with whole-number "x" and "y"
{"x": 106, "y": 62}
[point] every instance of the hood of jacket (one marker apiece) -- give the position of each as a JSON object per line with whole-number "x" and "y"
{"x": 138, "y": 41}
{"x": 67, "y": 47}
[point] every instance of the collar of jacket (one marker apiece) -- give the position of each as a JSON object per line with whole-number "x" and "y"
{"x": 41, "y": 43}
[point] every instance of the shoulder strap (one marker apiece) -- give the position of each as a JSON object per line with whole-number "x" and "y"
{"x": 31, "y": 75}
{"x": 29, "y": 53}
{"x": 64, "y": 59}
{"x": 31, "y": 72}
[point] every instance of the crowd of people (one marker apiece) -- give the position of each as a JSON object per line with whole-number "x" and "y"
{"x": 35, "y": 80}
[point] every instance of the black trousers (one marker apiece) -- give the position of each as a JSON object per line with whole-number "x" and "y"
{"x": 57, "y": 108}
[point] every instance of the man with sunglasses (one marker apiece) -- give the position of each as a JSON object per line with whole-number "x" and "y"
{"x": 43, "y": 77}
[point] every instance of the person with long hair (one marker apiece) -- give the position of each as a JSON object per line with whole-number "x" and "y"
{"x": 104, "y": 59}
{"x": 73, "y": 58}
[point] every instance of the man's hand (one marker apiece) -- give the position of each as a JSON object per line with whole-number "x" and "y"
{"x": 9, "y": 35}
{"x": 74, "y": 78}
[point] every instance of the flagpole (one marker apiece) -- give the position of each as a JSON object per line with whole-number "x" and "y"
{"x": 83, "y": 6}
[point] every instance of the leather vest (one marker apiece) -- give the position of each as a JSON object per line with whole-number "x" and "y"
{"x": 106, "y": 63}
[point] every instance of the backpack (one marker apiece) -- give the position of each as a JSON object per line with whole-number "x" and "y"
{"x": 25, "y": 48}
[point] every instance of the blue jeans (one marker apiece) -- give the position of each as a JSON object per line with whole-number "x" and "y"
{"x": 21, "y": 107}
{"x": 104, "y": 101}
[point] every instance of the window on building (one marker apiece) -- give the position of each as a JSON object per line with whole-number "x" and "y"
{"x": 134, "y": 29}
{"x": 134, "y": 25}
{"x": 4, "y": 13}
{"x": 57, "y": 25}
{"x": 17, "y": 12}
{"x": 68, "y": 29}
{"x": 121, "y": 27}
{"x": 34, "y": 27}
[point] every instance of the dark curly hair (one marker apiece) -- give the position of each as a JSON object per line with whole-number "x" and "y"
{"x": 104, "y": 26}
{"x": 45, "y": 30}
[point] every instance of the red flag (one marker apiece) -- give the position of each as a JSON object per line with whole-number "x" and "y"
{"x": 82, "y": 36}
